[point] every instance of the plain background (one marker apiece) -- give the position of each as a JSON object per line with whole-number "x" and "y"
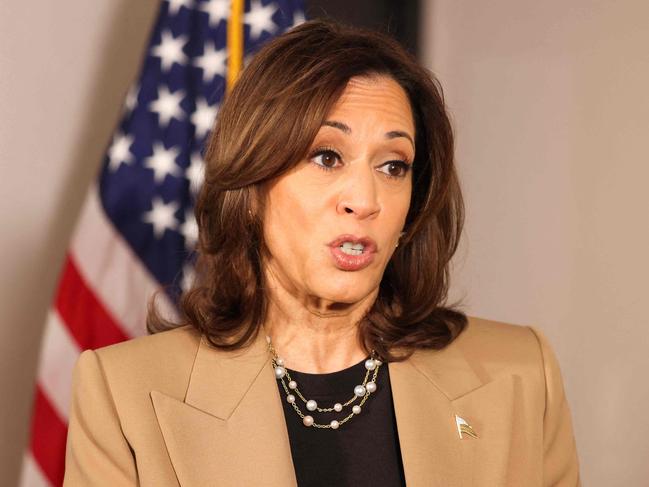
{"x": 550, "y": 107}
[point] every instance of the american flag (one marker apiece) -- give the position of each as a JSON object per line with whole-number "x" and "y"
{"x": 136, "y": 231}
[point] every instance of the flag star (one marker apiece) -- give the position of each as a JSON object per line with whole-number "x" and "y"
{"x": 131, "y": 98}
{"x": 203, "y": 117}
{"x": 170, "y": 50}
{"x": 161, "y": 216}
{"x": 212, "y": 62}
{"x": 119, "y": 151}
{"x": 260, "y": 18}
{"x": 189, "y": 230}
{"x": 163, "y": 162}
{"x": 247, "y": 58}
{"x": 175, "y": 5}
{"x": 298, "y": 17}
{"x": 217, "y": 10}
{"x": 189, "y": 275}
{"x": 195, "y": 173}
{"x": 167, "y": 105}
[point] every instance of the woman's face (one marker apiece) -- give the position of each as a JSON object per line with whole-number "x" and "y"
{"x": 333, "y": 222}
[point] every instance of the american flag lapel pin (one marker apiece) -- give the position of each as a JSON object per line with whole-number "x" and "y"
{"x": 464, "y": 428}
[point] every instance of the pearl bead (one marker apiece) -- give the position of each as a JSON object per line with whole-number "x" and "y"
{"x": 280, "y": 372}
{"x": 307, "y": 421}
{"x": 378, "y": 362}
{"x": 279, "y": 361}
{"x": 338, "y": 407}
{"x": 356, "y": 409}
{"x": 290, "y": 398}
{"x": 359, "y": 390}
{"x": 334, "y": 424}
{"x": 370, "y": 364}
{"x": 311, "y": 405}
{"x": 292, "y": 385}
{"x": 370, "y": 386}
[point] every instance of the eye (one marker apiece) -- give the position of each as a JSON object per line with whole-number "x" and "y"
{"x": 325, "y": 158}
{"x": 395, "y": 169}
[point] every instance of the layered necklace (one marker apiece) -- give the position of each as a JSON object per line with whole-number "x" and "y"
{"x": 360, "y": 394}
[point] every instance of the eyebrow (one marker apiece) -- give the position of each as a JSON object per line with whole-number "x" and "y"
{"x": 392, "y": 134}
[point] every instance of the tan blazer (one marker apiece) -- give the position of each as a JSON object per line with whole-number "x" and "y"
{"x": 169, "y": 410}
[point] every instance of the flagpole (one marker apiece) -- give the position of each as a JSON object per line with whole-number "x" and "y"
{"x": 234, "y": 42}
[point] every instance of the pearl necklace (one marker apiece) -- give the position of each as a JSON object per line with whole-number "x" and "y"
{"x": 361, "y": 391}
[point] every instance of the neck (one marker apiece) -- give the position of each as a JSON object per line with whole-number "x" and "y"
{"x": 315, "y": 336}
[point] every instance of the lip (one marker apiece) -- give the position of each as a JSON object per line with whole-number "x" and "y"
{"x": 347, "y": 262}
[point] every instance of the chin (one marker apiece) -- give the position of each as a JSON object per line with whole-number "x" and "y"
{"x": 346, "y": 287}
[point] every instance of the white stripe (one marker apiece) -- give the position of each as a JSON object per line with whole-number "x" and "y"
{"x": 113, "y": 270}
{"x": 31, "y": 474}
{"x": 59, "y": 352}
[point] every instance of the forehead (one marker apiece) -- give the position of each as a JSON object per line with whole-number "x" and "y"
{"x": 377, "y": 95}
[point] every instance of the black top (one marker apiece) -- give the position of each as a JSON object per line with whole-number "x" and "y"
{"x": 363, "y": 451}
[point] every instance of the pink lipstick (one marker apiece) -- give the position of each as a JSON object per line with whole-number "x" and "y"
{"x": 351, "y": 253}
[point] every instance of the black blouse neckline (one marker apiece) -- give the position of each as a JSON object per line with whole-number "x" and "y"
{"x": 330, "y": 384}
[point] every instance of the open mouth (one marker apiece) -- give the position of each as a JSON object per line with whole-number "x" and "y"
{"x": 351, "y": 248}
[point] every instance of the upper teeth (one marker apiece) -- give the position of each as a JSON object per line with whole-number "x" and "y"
{"x": 352, "y": 248}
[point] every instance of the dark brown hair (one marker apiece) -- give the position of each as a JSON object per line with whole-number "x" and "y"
{"x": 265, "y": 127}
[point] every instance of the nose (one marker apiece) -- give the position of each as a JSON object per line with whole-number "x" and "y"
{"x": 359, "y": 195}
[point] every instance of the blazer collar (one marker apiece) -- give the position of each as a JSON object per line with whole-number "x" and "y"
{"x": 429, "y": 391}
{"x": 230, "y": 428}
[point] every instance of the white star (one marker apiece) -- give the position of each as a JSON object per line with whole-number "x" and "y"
{"x": 163, "y": 162}
{"x": 217, "y": 10}
{"x": 260, "y": 18}
{"x": 131, "y": 98}
{"x": 298, "y": 17}
{"x": 167, "y": 105}
{"x": 247, "y": 58}
{"x": 189, "y": 230}
{"x": 212, "y": 62}
{"x": 174, "y": 5}
{"x": 161, "y": 216}
{"x": 203, "y": 117}
{"x": 188, "y": 277}
{"x": 195, "y": 173}
{"x": 119, "y": 151}
{"x": 170, "y": 50}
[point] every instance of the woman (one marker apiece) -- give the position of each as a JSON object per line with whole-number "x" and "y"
{"x": 316, "y": 347}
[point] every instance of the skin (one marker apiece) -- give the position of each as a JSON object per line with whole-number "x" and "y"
{"x": 315, "y": 307}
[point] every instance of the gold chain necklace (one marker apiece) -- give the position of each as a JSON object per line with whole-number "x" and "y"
{"x": 361, "y": 391}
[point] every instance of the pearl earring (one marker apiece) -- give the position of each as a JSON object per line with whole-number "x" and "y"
{"x": 400, "y": 237}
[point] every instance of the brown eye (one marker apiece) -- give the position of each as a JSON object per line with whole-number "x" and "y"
{"x": 326, "y": 159}
{"x": 395, "y": 169}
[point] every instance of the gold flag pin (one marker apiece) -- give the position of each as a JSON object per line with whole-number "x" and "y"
{"x": 464, "y": 428}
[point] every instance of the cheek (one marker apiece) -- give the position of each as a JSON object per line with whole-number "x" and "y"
{"x": 397, "y": 205}
{"x": 290, "y": 215}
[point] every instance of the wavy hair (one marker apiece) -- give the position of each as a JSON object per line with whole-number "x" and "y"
{"x": 264, "y": 128}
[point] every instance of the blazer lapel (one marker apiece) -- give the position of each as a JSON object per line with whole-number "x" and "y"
{"x": 230, "y": 430}
{"x": 429, "y": 390}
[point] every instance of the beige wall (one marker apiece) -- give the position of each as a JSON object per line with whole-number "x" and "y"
{"x": 550, "y": 103}
{"x": 551, "y": 112}
{"x": 64, "y": 69}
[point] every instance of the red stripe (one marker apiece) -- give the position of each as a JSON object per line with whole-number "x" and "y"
{"x": 84, "y": 315}
{"x": 48, "y": 436}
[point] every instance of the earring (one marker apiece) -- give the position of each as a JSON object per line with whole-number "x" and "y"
{"x": 400, "y": 237}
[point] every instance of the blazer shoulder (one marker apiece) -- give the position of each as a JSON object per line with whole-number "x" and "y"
{"x": 162, "y": 361}
{"x": 494, "y": 347}
{"x": 496, "y": 335}
{"x": 176, "y": 340}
